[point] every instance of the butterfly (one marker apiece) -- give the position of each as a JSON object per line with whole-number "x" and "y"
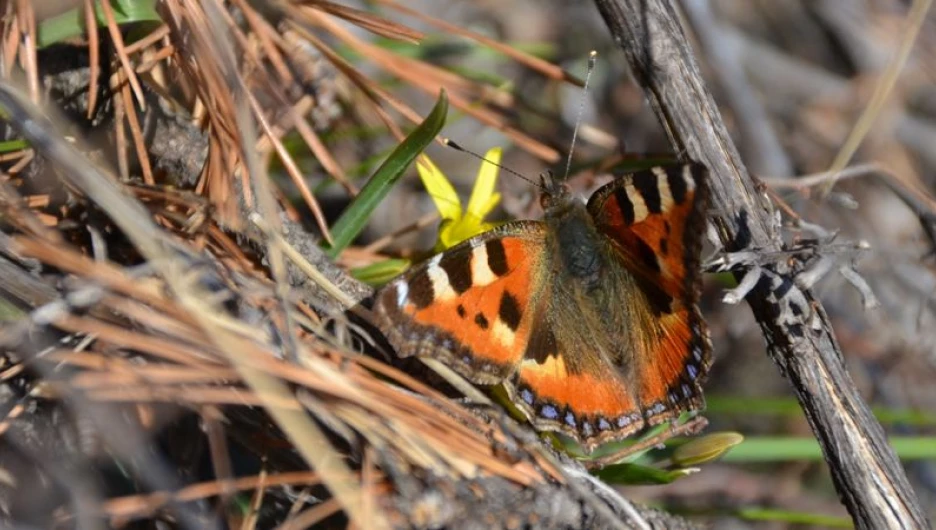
{"x": 589, "y": 318}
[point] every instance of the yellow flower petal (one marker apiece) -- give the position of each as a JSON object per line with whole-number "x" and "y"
{"x": 440, "y": 189}
{"x": 456, "y": 226}
{"x": 485, "y": 209}
{"x": 449, "y": 236}
{"x": 453, "y": 233}
{"x": 483, "y": 197}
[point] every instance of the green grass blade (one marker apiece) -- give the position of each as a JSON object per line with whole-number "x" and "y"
{"x": 71, "y": 23}
{"x": 788, "y": 407}
{"x": 774, "y": 449}
{"x": 355, "y": 217}
{"x": 799, "y": 518}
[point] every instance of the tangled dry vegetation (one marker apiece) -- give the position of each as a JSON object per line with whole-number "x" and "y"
{"x": 160, "y": 330}
{"x": 175, "y": 344}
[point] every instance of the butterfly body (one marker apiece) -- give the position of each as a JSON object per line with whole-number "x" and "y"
{"x": 588, "y": 318}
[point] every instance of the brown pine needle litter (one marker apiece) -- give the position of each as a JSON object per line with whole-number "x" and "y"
{"x": 165, "y": 325}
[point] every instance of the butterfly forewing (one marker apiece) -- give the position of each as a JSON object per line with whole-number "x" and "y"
{"x": 468, "y": 306}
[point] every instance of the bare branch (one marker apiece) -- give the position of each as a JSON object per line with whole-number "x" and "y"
{"x": 865, "y": 470}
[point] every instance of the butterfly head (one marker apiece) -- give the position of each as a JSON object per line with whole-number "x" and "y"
{"x": 555, "y": 196}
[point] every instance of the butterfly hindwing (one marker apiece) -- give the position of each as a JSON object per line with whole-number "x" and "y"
{"x": 655, "y": 220}
{"x": 568, "y": 380}
{"x": 468, "y": 306}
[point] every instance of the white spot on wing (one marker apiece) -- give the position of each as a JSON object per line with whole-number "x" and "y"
{"x": 640, "y": 207}
{"x": 441, "y": 288}
{"x": 402, "y": 291}
{"x": 502, "y": 333}
{"x": 666, "y": 197}
{"x": 480, "y": 271}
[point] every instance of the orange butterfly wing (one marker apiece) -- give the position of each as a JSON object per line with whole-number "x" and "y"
{"x": 567, "y": 381}
{"x": 618, "y": 341}
{"x": 468, "y": 306}
{"x": 656, "y": 220}
{"x": 590, "y": 318}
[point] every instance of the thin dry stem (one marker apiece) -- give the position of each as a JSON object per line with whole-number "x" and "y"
{"x": 882, "y": 91}
{"x": 120, "y": 50}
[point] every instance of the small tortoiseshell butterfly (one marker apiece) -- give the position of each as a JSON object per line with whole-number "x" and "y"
{"x": 589, "y": 318}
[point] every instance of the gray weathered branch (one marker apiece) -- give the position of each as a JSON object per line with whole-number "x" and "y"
{"x": 867, "y": 474}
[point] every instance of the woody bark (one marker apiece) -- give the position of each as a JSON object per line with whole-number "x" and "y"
{"x": 867, "y": 474}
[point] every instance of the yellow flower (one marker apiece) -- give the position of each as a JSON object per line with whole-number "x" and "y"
{"x": 457, "y": 226}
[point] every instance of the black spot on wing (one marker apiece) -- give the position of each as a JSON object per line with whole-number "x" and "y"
{"x": 664, "y": 246}
{"x": 624, "y": 204}
{"x": 509, "y": 311}
{"x": 646, "y": 184}
{"x": 461, "y": 311}
{"x": 481, "y": 321}
{"x": 420, "y": 293}
{"x": 660, "y": 302}
{"x": 677, "y": 185}
{"x": 457, "y": 265}
{"x": 646, "y": 255}
{"x": 496, "y": 257}
{"x": 542, "y": 344}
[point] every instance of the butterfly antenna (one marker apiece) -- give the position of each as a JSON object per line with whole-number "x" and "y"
{"x": 548, "y": 182}
{"x": 592, "y": 57}
{"x": 457, "y": 147}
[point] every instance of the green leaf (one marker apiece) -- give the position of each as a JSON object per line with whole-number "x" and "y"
{"x": 381, "y": 272}
{"x": 11, "y": 146}
{"x": 636, "y": 474}
{"x": 71, "y": 23}
{"x": 704, "y": 448}
{"x": 355, "y": 217}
